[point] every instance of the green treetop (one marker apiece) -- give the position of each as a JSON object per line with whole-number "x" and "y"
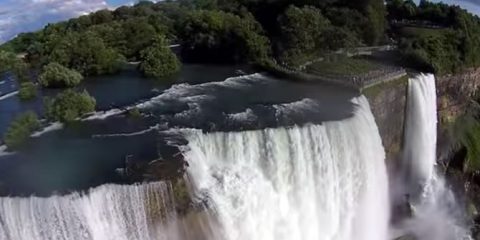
{"x": 158, "y": 60}
{"x": 55, "y": 75}
{"x": 69, "y": 105}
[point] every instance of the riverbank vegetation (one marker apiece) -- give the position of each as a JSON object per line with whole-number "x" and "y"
{"x": 434, "y": 36}
{"x": 55, "y": 75}
{"x": 157, "y": 61}
{"x": 208, "y": 31}
{"x": 27, "y": 91}
{"x": 430, "y": 36}
{"x": 69, "y": 106}
{"x": 20, "y": 130}
{"x": 9, "y": 62}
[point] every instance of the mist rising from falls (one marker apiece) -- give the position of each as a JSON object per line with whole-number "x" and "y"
{"x": 301, "y": 183}
{"x": 435, "y": 212}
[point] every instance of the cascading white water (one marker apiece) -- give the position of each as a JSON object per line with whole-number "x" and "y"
{"x": 310, "y": 182}
{"x": 301, "y": 183}
{"x": 109, "y": 212}
{"x": 420, "y": 133}
{"x": 435, "y": 210}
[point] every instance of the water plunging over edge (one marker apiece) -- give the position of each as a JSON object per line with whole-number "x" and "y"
{"x": 435, "y": 212}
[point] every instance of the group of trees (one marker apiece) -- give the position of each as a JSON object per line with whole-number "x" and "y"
{"x": 250, "y": 31}
{"x": 54, "y": 75}
{"x": 69, "y": 106}
{"x": 245, "y": 31}
{"x": 446, "y": 40}
{"x": 10, "y": 62}
{"x": 217, "y": 36}
{"x": 157, "y": 60}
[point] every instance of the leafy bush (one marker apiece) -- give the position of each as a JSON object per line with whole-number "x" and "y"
{"x": 10, "y": 62}
{"x": 27, "y": 91}
{"x": 158, "y": 60}
{"x": 56, "y": 75}
{"x": 20, "y": 129}
{"x": 69, "y": 106}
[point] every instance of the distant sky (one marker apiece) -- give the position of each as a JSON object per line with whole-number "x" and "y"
{"x": 18, "y": 16}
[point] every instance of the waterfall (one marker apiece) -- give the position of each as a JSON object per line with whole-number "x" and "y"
{"x": 312, "y": 182}
{"x": 435, "y": 212}
{"x": 420, "y": 133}
{"x": 109, "y": 212}
{"x": 316, "y": 181}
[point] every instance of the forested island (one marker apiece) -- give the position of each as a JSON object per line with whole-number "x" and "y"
{"x": 432, "y": 37}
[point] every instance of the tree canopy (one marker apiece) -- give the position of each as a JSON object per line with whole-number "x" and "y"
{"x": 55, "y": 75}
{"x": 20, "y": 130}
{"x": 69, "y": 105}
{"x": 434, "y": 36}
{"x": 250, "y": 31}
{"x": 217, "y": 36}
{"x": 27, "y": 91}
{"x": 158, "y": 60}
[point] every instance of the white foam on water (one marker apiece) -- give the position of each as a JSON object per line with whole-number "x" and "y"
{"x": 150, "y": 129}
{"x": 181, "y": 91}
{"x": 245, "y": 116}
{"x": 50, "y": 128}
{"x": 8, "y": 95}
{"x": 101, "y": 115}
{"x": 3, "y": 151}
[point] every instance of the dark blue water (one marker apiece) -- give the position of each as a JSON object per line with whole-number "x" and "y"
{"x": 77, "y": 157}
{"x": 212, "y": 98}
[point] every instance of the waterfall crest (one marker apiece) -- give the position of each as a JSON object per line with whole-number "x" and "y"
{"x": 301, "y": 183}
{"x": 435, "y": 212}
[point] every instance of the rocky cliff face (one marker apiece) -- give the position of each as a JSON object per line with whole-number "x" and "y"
{"x": 455, "y": 96}
{"x": 387, "y": 102}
